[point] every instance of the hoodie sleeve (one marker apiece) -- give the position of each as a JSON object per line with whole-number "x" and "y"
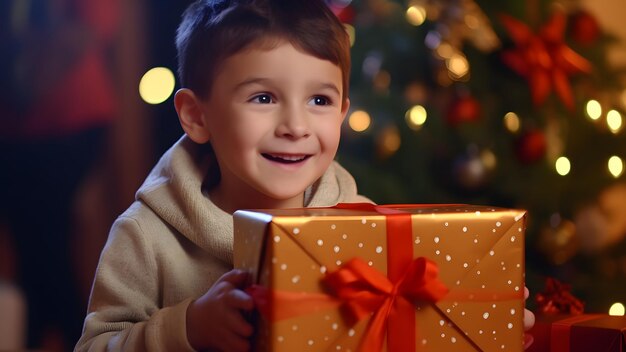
{"x": 124, "y": 311}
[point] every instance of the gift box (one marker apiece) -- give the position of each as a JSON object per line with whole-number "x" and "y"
{"x": 579, "y": 333}
{"x": 359, "y": 277}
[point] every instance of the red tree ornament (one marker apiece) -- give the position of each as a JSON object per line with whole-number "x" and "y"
{"x": 531, "y": 146}
{"x": 543, "y": 58}
{"x": 345, "y": 14}
{"x": 557, "y": 299}
{"x": 464, "y": 109}
{"x": 584, "y": 27}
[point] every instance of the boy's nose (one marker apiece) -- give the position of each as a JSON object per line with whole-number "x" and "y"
{"x": 293, "y": 124}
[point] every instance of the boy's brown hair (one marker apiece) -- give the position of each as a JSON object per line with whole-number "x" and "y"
{"x": 213, "y": 30}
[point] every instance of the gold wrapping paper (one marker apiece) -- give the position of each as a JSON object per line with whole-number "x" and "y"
{"x": 479, "y": 251}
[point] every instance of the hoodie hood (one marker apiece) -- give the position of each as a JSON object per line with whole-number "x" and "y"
{"x": 174, "y": 191}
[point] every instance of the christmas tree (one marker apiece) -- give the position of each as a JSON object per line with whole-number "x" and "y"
{"x": 503, "y": 103}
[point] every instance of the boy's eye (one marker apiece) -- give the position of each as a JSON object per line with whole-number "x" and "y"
{"x": 262, "y": 99}
{"x": 320, "y": 100}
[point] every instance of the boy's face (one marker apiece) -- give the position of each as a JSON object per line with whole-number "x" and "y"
{"x": 274, "y": 120}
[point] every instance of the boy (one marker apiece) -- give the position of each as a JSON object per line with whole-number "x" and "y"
{"x": 265, "y": 95}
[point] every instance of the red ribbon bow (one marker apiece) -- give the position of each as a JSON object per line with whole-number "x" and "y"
{"x": 557, "y": 299}
{"x": 365, "y": 290}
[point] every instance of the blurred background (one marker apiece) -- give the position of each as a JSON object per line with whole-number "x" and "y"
{"x": 512, "y": 104}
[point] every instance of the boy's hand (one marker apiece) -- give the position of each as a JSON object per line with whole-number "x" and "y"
{"x": 529, "y": 321}
{"x": 215, "y": 322}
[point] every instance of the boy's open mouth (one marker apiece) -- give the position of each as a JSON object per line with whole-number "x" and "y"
{"x": 286, "y": 158}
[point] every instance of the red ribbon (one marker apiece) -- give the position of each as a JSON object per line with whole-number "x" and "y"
{"x": 390, "y": 298}
{"x": 364, "y": 291}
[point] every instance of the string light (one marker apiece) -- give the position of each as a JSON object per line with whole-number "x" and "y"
{"x": 416, "y": 15}
{"x": 416, "y": 117}
{"x": 458, "y": 66}
{"x": 359, "y": 121}
{"x": 511, "y": 122}
{"x": 616, "y": 166}
{"x": 593, "y": 109}
{"x": 614, "y": 120}
{"x": 444, "y": 51}
{"x": 389, "y": 141}
{"x": 617, "y": 309}
{"x": 157, "y": 85}
{"x": 563, "y": 166}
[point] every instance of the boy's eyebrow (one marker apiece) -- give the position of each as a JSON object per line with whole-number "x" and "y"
{"x": 260, "y": 80}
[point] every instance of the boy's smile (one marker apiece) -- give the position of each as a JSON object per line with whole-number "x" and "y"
{"x": 274, "y": 120}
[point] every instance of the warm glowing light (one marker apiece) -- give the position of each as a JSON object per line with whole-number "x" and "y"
{"x": 388, "y": 141}
{"x": 614, "y": 120}
{"x": 563, "y": 166}
{"x": 444, "y": 50}
{"x": 593, "y": 109}
{"x": 382, "y": 80}
{"x": 489, "y": 159}
{"x": 617, "y": 309}
{"x": 416, "y": 117}
{"x": 416, "y": 15}
{"x": 458, "y": 65}
{"x": 351, "y": 33}
{"x": 359, "y": 121}
{"x": 511, "y": 122}
{"x": 157, "y": 85}
{"x": 616, "y": 166}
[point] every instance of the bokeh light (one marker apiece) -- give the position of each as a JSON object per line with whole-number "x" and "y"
{"x": 416, "y": 117}
{"x": 563, "y": 166}
{"x": 416, "y": 15}
{"x": 458, "y": 66}
{"x": 157, "y": 85}
{"x": 614, "y": 121}
{"x": 511, "y": 122}
{"x": 617, "y": 309}
{"x": 593, "y": 109}
{"x": 444, "y": 51}
{"x": 388, "y": 141}
{"x": 616, "y": 166}
{"x": 489, "y": 159}
{"x": 359, "y": 121}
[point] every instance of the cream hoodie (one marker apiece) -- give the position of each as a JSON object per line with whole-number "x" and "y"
{"x": 169, "y": 248}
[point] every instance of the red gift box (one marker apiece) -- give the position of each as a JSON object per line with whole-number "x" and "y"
{"x": 579, "y": 333}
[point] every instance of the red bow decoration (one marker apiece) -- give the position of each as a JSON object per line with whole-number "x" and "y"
{"x": 543, "y": 58}
{"x": 365, "y": 290}
{"x": 557, "y": 299}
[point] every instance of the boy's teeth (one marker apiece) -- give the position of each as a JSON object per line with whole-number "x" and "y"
{"x": 288, "y": 157}
{"x": 285, "y": 158}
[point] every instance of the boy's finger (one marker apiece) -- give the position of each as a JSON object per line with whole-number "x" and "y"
{"x": 528, "y": 340}
{"x": 529, "y": 319}
{"x": 240, "y": 300}
{"x": 526, "y": 292}
{"x": 238, "y": 325}
{"x": 236, "y": 277}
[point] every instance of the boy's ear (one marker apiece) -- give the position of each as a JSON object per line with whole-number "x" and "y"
{"x": 191, "y": 115}
{"x": 344, "y": 108}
